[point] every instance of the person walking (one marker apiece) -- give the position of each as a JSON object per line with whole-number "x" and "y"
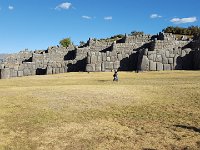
{"x": 115, "y": 75}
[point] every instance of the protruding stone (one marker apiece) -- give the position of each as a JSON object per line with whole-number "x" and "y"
{"x": 20, "y": 73}
{"x": 90, "y": 67}
{"x": 49, "y": 70}
{"x": 170, "y": 60}
{"x": 5, "y": 73}
{"x": 152, "y": 65}
{"x": 167, "y": 67}
{"x": 98, "y": 67}
{"x": 144, "y": 64}
{"x": 159, "y": 66}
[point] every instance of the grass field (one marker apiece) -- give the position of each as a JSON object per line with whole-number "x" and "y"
{"x": 143, "y": 111}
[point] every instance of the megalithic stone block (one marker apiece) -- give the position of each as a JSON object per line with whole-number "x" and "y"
{"x": 98, "y": 67}
{"x": 144, "y": 64}
{"x": 152, "y": 65}
{"x": 167, "y": 67}
{"x": 13, "y": 73}
{"x": 65, "y": 69}
{"x": 5, "y": 73}
{"x": 62, "y": 70}
{"x": 20, "y": 73}
{"x": 159, "y": 66}
{"x": 49, "y": 70}
{"x": 116, "y": 64}
{"x": 119, "y": 56}
{"x": 90, "y": 67}
{"x": 93, "y": 59}
{"x": 57, "y": 70}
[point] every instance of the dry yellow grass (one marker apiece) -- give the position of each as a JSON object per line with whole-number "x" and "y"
{"x": 154, "y": 110}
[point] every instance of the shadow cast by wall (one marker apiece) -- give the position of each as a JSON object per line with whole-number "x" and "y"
{"x": 40, "y": 71}
{"x": 134, "y": 61}
{"x": 186, "y": 62}
{"x": 188, "y": 128}
{"x": 28, "y": 60}
{"x": 71, "y": 55}
{"x": 78, "y": 66}
{"x": 129, "y": 63}
{"x": 106, "y": 49}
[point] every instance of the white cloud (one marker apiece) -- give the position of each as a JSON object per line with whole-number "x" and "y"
{"x": 65, "y": 6}
{"x": 184, "y": 20}
{"x": 86, "y": 17}
{"x": 108, "y": 18}
{"x": 153, "y": 16}
{"x": 10, "y": 7}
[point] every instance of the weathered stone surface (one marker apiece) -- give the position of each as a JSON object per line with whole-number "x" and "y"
{"x": 33, "y": 72}
{"x": 113, "y": 53}
{"x": 104, "y": 58}
{"x": 108, "y": 58}
{"x": 27, "y": 72}
{"x": 93, "y": 59}
{"x": 159, "y": 58}
{"x": 183, "y": 53}
{"x": 49, "y": 70}
{"x": 159, "y": 66}
{"x": 144, "y": 64}
{"x": 146, "y": 52}
{"x": 167, "y": 67}
{"x": 20, "y": 73}
{"x": 164, "y": 60}
{"x": 98, "y": 67}
{"x": 58, "y": 65}
{"x": 57, "y": 70}
{"x": 109, "y": 65}
{"x": 187, "y": 50}
{"x": 152, "y": 65}
{"x": 99, "y": 58}
{"x": 90, "y": 67}
{"x": 119, "y": 56}
{"x": 65, "y": 69}
{"x": 113, "y": 58}
{"x": 5, "y": 73}
{"x": 13, "y": 73}
{"x": 62, "y": 70}
{"x": 2, "y": 66}
{"x": 170, "y": 60}
{"x": 116, "y": 64}
{"x": 167, "y": 54}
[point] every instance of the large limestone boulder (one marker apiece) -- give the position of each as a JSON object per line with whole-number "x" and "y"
{"x": 5, "y": 73}
{"x": 144, "y": 64}
{"x": 152, "y": 65}
{"x": 90, "y": 67}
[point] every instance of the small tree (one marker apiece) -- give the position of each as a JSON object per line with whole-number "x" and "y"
{"x": 65, "y": 42}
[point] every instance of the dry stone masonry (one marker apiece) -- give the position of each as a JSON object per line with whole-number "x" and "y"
{"x": 131, "y": 53}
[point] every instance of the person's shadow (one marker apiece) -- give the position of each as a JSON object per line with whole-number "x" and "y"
{"x": 188, "y": 128}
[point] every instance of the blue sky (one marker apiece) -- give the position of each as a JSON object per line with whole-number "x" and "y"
{"x": 37, "y": 24}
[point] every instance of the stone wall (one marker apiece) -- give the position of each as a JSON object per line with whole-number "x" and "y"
{"x": 140, "y": 53}
{"x": 137, "y": 38}
{"x": 171, "y": 59}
